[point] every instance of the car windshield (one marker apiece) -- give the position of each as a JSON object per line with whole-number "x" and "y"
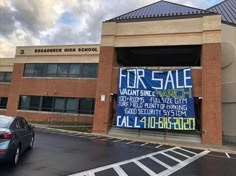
{"x": 5, "y": 121}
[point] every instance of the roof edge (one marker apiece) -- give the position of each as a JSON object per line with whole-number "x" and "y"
{"x": 203, "y": 10}
{"x": 217, "y": 4}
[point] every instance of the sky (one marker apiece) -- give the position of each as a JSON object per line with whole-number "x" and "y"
{"x": 63, "y": 22}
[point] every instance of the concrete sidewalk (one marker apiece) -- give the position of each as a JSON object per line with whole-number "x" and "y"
{"x": 216, "y": 148}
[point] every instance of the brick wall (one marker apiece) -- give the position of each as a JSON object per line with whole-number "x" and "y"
{"x": 46, "y": 87}
{"x": 211, "y": 90}
{"x": 102, "y": 116}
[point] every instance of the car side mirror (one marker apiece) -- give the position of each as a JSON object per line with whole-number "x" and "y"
{"x": 30, "y": 127}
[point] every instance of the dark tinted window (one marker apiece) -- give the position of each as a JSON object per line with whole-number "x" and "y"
{"x": 86, "y": 106}
{"x": 59, "y": 105}
{"x": 3, "y": 102}
{"x": 29, "y": 70}
{"x": 52, "y": 70}
{"x": 24, "y": 102}
{"x": 71, "y": 105}
{"x": 24, "y": 123}
{"x": 5, "y": 121}
{"x": 47, "y": 104}
{"x": 34, "y": 103}
{"x": 29, "y": 102}
{"x": 90, "y": 70}
{"x": 75, "y": 70}
{"x": 39, "y": 70}
{"x": 5, "y": 76}
{"x": 63, "y": 70}
{"x": 20, "y": 124}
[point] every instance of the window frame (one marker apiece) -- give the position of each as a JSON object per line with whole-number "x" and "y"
{"x": 77, "y": 106}
{"x": 4, "y": 77}
{"x": 68, "y": 74}
{"x": 3, "y": 107}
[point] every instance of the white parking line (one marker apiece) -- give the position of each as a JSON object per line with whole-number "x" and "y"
{"x": 143, "y": 167}
{"x": 227, "y": 155}
{"x": 182, "y": 164}
{"x": 144, "y": 144}
{"x": 169, "y": 170}
{"x": 118, "y": 140}
{"x": 130, "y": 142}
{"x": 119, "y": 171}
{"x": 171, "y": 157}
{"x": 85, "y": 173}
{"x": 158, "y": 146}
{"x": 94, "y": 137}
{"x": 181, "y": 154}
{"x": 187, "y": 151}
{"x": 160, "y": 162}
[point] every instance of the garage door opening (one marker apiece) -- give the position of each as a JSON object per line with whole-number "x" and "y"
{"x": 169, "y": 56}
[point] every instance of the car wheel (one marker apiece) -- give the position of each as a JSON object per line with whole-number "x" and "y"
{"x": 31, "y": 143}
{"x": 16, "y": 157}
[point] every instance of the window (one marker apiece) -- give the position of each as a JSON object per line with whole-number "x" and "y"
{"x": 3, "y": 102}
{"x": 61, "y": 70}
{"x": 47, "y": 104}
{"x": 20, "y": 124}
{"x": 86, "y": 106}
{"x": 5, "y": 76}
{"x": 71, "y": 105}
{"x": 75, "y": 70}
{"x": 29, "y": 102}
{"x": 90, "y": 70}
{"x": 57, "y": 104}
{"x": 51, "y": 70}
{"x": 34, "y": 103}
{"x": 29, "y": 70}
{"x": 39, "y": 70}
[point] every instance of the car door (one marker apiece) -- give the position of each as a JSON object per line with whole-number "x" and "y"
{"x": 28, "y": 132}
{"x": 20, "y": 133}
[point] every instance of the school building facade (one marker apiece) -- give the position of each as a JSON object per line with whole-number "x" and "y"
{"x": 81, "y": 80}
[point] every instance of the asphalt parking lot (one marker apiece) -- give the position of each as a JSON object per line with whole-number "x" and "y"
{"x": 62, "y": 154}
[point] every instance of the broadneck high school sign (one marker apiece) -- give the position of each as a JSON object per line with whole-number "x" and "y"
{"x": 58, "y": 50}
{"x": 155, "y": 99}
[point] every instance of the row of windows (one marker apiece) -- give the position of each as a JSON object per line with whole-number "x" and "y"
{"x": 61, "y": 70}
{"x": 57, "y": 104}
{"x": 5, "y": 76}
{"x": 3, "y": 102}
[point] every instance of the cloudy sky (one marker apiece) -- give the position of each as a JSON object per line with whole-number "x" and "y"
{"x": 54, "y": 22}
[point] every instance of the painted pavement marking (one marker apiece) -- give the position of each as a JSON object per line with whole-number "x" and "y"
{"x": 144, "y": 144}
{"x": 94, "y": 137}
{"x": 181, "y": 154}
{"x": 227, "y": 155}
{"x": 171, "y": 157}
{"x": 130, "y": 142}
{"x": 158, "y": 146}
{"x": 168, "y": 171}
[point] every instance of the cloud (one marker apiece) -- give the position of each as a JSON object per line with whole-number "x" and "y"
{"x": 7, "y": 22}
{"x": 35, "y": 22}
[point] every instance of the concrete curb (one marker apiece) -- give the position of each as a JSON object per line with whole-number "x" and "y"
{"x": 203, "y": 147}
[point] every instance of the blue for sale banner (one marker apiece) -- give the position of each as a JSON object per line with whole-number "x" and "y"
{"x": 155, "y": 99}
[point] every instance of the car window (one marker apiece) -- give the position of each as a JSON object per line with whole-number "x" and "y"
{"x": 5, "y": 121}
{"x": 25, "y": 123}
{"x": 20, "y": 124}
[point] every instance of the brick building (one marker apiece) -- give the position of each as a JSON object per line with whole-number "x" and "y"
{"x": 81, "y": 81}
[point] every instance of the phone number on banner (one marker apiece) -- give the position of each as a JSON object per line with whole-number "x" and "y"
{"x": 173, "y": 123}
